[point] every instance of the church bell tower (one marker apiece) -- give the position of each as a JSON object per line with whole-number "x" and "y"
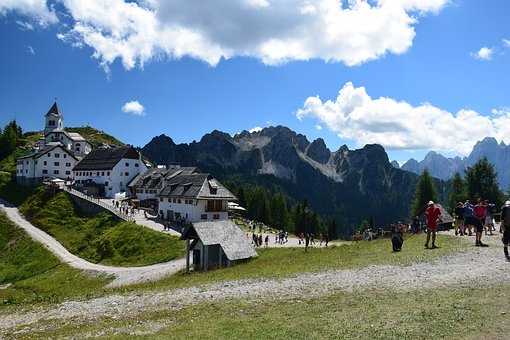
{"x": 54, "y": 120}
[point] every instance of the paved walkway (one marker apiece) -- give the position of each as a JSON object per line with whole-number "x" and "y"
{"x": 123, "y": 275}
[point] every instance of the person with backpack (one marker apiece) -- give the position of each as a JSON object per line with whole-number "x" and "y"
{"x": 480, "y": 212}
{"x": 505, "y": 227}
{"x": 397, "y": 237}
{"x": 432, "y": 213}
{"x": 469, "y": 218}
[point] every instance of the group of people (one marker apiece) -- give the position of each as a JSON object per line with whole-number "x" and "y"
{"x": 124, "y": 208}
{"x": 468, "y": 217}
{"x": 259, "y": 240}
{"x": 478, "y": 217}
{"x": 281, "y": 237}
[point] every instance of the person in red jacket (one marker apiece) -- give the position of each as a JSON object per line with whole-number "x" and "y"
{"x": 432, "y": 214}
{"x": 480, "y": 212}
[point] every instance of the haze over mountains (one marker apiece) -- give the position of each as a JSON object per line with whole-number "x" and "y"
{"x": 444, "y": 168}
{"x": 348, "y": 185}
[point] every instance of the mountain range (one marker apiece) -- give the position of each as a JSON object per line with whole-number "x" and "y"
{"x": 444, "y": 168}
{"x": 348, "y": 185}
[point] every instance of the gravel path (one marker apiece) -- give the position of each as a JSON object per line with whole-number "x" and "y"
{"x": 475, "y": 267}
{"x": 123, "y": 275}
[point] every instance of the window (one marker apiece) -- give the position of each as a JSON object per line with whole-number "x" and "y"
{"x": 68, "y": 164}
{"x": 49, "y": 154}
{"x": 26, "y": 171}
{"x": 136, "y": 165}
{"x": 45, "y": 172}
{"x": 56, "y": 163}
{"x": 55, "y": 172}
{"x": 161, "y": 199}
{"x": 175, "y": 201}
{"x": 105, "y": 184}
{"x": 45, "y": 163}
{"x": 51, "y": 123}
{"x": 27, "y": 162}
{"x": 57, "y": 155}
{"x": 65, "y": 155}
{"x": 179, "y": 201}
{"x": 127, "y": 173}
{"x": 68, "y": 172}
{"x": 102, "y": 173}
{"x": 216, "y": 216}
{"x": 36, "y": 162}
{"x": 97, "y": 173}
{"x": 127, "y": 164}
{"x": 203, "y": 216}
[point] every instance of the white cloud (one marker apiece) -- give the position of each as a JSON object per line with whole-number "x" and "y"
{"x": 35, "y": 9}
{"x": 275, "y": 31}
{"x": 25, "y": 26}
{"x": 397, "y": 124}
{"x": 255, "y": 129}
{"x": 318, "y": 127}
{"x": 506, "y": 42}
{"x": 485, "y": 53}
{"x": 30, "y": 50}
{"x": 134, "y": 108}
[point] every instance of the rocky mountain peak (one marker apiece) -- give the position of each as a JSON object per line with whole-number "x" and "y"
{"x": 318, "y": 151}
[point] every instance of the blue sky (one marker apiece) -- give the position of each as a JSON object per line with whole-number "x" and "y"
{"x": 186, "y": 97}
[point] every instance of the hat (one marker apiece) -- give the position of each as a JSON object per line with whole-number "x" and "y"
{"x": 430, "y": 203}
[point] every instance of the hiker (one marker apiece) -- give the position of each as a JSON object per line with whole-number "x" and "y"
{"x": 326, "y": 239}
{"x": 267, "y": 241}
{"x": 489, "y": 218}
{"x": 307, "y": 241}
{"x": 432, "y": 214}
{"x": 459, "y": 219}
{"x": 469, "y": 218}
{"x": 505, "y": 227}
{"x": 397, "y": 237}
{"x": 415, "y": 226}
{"x": 480, "y": 212}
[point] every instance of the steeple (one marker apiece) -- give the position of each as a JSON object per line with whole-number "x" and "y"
{"x": 54, "y": 120}
{"x": 53, "y": 110}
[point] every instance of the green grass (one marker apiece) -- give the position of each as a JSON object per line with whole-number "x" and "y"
{"x": 94, "y": 136}
{"x": 101, "y": 238}
{"x": 34, "y": 273}
{"x": 285, "y": 262}
{"x": 462, "y": 313}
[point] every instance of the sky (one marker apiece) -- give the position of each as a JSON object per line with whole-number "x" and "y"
{"x": 412, "y": 75}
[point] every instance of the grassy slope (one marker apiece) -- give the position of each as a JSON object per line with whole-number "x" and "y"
{"x": 94, "y": 136}
{"x": 35, "y": 274}
{"x": 99, "y": 239}
{"x": 285, "y": 262}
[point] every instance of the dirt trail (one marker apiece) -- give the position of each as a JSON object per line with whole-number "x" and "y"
{"x": 474, "y": 267}
{"x": 123, "y": 275}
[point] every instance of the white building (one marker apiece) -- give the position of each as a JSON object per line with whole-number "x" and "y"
{"x": 147, "y": 186}
{"x": 54, "y": 132}
{"x": 52, "y": 161}
{"x": 193, "y": 197}
{"x": 55, "y": 155}
{"x": 106, "y": 172}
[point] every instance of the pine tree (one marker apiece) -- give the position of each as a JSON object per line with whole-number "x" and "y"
{"x": 425, "y": 192}
{"x": 482, "y": 182}
{"x": 457, "y": 192}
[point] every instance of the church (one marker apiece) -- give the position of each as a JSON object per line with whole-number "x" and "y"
{"x": 55, "y": 155}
